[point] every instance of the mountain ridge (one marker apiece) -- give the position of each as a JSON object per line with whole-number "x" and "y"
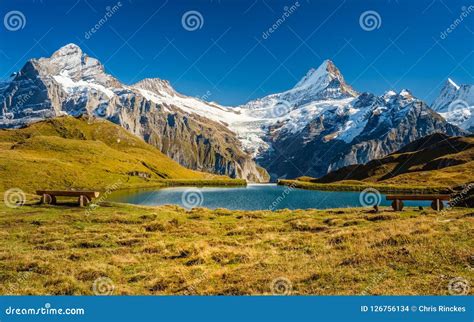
{"x": 86, "y": 153}
{"x": 456, "y": 104}
{"x": 71, "y": 83}
{"x": 287, "y": 133}
{"x": 436, "y": 159}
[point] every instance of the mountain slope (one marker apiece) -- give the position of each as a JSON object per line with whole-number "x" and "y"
{"x": 435, "y": 160}
{"x": 83, "y": 153}
{"x": 324, "y": 135}
{"x": 72, "y": 83}
{"x": 456, "y": 104}
{"x": 319, "y": 125}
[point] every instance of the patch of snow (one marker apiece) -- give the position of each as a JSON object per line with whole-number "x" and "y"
{"x": 456, "y": 104}
{"x": 453, "y": 83}
{"x": 71, "y": 86}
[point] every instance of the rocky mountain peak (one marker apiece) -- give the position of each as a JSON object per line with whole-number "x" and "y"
{"x": 389, "y": 95}
{"x": 326, "y": 79}
{"x": 450, "y": 92}
{"x": 156, "y": 85}
{"x": 68, "y": 50}
{"x": 406, "y": 94}
{"x": 456, "y": 104}
{"x": 72, "y": 63}
{"x": 451, "y": 84}
{"x": 323, "y": 74}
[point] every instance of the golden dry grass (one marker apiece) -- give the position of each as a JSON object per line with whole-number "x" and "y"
{"x": 167, "y": 250}
{"x": 70, "y": 153}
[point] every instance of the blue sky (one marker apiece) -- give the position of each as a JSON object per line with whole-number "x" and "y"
{"x": 229, "y": 60}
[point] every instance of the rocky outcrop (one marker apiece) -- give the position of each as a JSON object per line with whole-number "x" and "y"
{"x": 325, "y": 133}
{"x": 70, "y": 82}
{"x": 456, "y": 104}
{"x": 319, "y": 125}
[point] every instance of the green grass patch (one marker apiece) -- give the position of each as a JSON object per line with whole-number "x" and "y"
{"x": 168, "y": 250}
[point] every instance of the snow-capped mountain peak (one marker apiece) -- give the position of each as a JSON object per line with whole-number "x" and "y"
{"x": 327, "y": 80}
{"x": 300, "y": 122}
{"x": 323, "y": 74}
{"x": 326, "y": 72}
{"x": 389, "y": 94}
{"x": 450, "y": 82}
{"x": 68, "y": 50}
{"x": 406, "y": 94}
{"x": 456, "y": 104}
{"x": 71, "y": 63}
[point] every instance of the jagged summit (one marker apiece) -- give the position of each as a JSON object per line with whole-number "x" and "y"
{"x": 68, "y": 50}
{"x": 326, "y": 79}
{"x": 321, "y": 109}
{"x": 456, "y": 104}
{"x": 326, "y": 71}
{"x": 451, "y": 92}
{"x": 450, "y": 82}
{"x": 156, "y": 85}
{"x": 72, "y": 64}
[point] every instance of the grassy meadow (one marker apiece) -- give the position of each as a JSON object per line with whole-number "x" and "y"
{"x": 168, "y": 250}
{"x": 125, "y": 249}
{"x": 79, "y": 153}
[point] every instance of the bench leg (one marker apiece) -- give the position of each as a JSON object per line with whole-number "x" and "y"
{"x": 48, "y": 199}
{"x": 84, "y": 201}
{"x": 437, "y": 205}
{"x": 397, "y": 205}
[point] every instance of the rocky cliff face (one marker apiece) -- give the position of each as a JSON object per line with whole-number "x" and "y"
{"x": 328, "y": 125}
{"x": 70, "y": 82}
{"x": 456, "y": 104}
{"x": 319, "y": 125}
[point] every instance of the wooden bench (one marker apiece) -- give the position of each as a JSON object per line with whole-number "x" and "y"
{"x": 436, "y": 204}
{"x": 84, "y": 197}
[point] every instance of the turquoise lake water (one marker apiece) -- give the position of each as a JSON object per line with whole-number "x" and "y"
{"x": 252, "y": 197}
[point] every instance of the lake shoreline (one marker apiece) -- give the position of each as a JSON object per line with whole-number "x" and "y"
{"x": 362, "y": 186}
{"x": 252, "y": 197}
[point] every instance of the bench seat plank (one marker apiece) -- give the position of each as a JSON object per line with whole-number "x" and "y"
{"x": 418, "y": 197}
{"x": 69, "y": 193}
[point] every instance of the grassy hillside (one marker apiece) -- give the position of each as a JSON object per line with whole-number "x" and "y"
{"x": 67, "y": 153}
{"x": 434, "y": 163}
{"x": 167, "y": 250}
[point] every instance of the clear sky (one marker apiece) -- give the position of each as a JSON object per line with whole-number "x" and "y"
{"x": 229, "y": 59}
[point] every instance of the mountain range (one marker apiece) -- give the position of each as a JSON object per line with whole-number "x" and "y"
{"x": 434, "y": 160}
{"x": 319, "y": 125}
